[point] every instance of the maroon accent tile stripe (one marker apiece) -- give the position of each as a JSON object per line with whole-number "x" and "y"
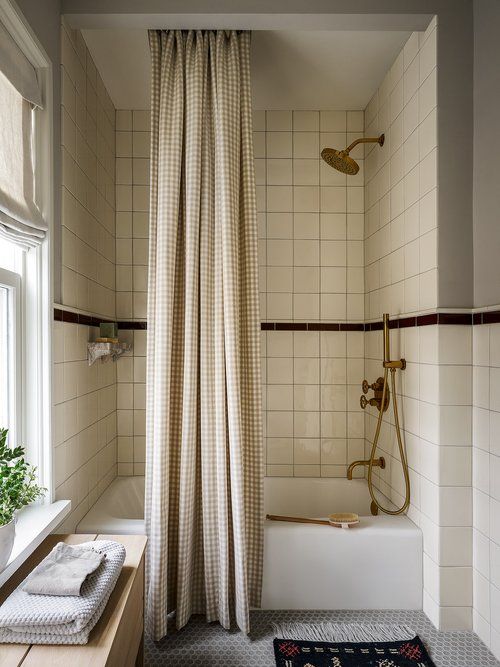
{"x": 406, "y": 322}
{"x": 490, "y": 317}
{"x": 352, "y": 326}
{"x": 290, "y": 326}
{"x": 61, "y": 315}
{"x": 455, "y": 318}
{"x": 136, "y": 326}
{"x": 484, "y": 317}
{"x": 323, "y": 326}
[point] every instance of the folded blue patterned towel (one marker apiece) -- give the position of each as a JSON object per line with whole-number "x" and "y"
{"x": 53, "y": 619}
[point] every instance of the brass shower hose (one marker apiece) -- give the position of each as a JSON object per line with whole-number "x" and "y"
{"x": 404, "y": 462}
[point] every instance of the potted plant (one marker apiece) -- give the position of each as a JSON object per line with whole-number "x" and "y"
{"x": 18, "y": 488}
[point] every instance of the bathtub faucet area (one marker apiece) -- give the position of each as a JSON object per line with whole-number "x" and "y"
{"x": 381, "y": 401}
{"x": 379, "y": 463}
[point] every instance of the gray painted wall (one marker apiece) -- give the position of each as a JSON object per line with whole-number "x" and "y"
{"x": 486, "y": 153}
{"x": 45, "y": 20}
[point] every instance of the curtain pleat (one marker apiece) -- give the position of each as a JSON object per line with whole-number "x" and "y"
{"x": 204, "y": 483}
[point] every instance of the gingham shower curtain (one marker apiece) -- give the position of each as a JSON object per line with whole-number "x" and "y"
{"x": 204, "y": 509}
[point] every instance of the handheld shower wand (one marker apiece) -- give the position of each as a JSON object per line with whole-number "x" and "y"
{"x": 382, "y": 405}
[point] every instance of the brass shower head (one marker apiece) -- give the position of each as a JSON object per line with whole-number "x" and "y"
{"x": 342, "y": 161}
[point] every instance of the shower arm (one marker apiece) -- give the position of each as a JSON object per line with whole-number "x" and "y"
{"x": 366, "y": 140}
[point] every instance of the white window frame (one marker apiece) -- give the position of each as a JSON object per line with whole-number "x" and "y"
{"x": 36, "y": 289}
{"x": 11, "y": 282}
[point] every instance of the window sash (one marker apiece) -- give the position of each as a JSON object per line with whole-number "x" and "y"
{"x": 10, "y": 282}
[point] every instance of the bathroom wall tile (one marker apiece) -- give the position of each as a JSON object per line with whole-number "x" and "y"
{"x": 279, "y": 451}
{"x": 278, "y": 121}
{"x": 333, "y": 121}
{"x": 278, "y": 145}
{"x": 305, "y": 145}
{"x": 279, "y": 172}
{"x": 306, "y": 171}
{"x": 306, "y": 121}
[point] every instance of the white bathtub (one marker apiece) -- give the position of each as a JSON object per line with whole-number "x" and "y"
{"x": 375, "y": 565}
{"x": 119, "y": 511}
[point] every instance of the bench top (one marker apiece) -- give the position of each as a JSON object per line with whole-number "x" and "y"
{"x": 102, "y": 635}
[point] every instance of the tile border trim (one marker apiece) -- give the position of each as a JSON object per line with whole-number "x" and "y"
{"x": 61, "y": 315}
{"x": 482, "y": 317}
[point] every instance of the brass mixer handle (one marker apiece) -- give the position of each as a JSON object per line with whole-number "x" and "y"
{"x": 363, "y": 401}
{"x": 376, "y": 386}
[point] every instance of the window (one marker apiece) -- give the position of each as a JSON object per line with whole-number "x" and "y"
{"x": 10, "y": 353}
{"x": 25, "y": 244}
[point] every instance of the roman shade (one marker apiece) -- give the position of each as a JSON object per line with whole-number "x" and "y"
{"x": 21, "y": 220}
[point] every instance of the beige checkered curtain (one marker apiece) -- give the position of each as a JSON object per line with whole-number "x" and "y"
{"x": 204, "y": 485}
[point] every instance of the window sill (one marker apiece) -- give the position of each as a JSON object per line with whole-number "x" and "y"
{"x": 33, "y": 525}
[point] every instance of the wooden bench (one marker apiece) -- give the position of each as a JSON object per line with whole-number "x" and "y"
{"x": 117, "y": 639}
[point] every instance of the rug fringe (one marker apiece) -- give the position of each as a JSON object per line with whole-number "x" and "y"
{"x": 343, "y": 632}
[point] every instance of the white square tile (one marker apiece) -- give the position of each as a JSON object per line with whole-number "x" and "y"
{"x": 306, "y": 451}
{"x": 279, "y": 306}
{"x": 306, "y": 344}
{"x": 259, "y": 144}
{"x": 334, "y": 279}
{"x": 306, "y": 253}
{"x": 306, "y": 226}
{"x": 306, "y": 397}
{"x": 280, "y": 252}
{"x": 333, "y": 121}
{"x": 306, "y": 370}
{"x": 428, "y": 134}
{"x": 333, "y": 306}
{"x": 306, "y": 425}
{"x": 305, "y": 145}
{"x": 305, "y": 198}
{"x": 428, "y": 56}
{"x": 334, "y": 451}
{"x": 279, "y": 198}
{"x": 355, "y": 121}
{"x": 278, "y": 121}
{"x": 306, "y": 121}
{"x": 279, "y": 226}
{"x": 306, "y": 307}
{"x": 428, "y": 95}
{"x": 279, "y": 450}
{"x": 278, "y": 145}
{"x": 333, "y": 200}
{"x": 306, "y": 171}
{"x": 279, "y": 370}
{"x": 333, "y": 253}
{"x": 279, "y": 279}
{"x": 279, "y": 172}
{"x": 306, "y": 279}
{"x": 279, "y": 397}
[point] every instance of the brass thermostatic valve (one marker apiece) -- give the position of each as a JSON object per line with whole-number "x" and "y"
{"x": 376, "y": 401}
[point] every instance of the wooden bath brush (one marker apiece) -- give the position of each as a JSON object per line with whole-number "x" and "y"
{"x": 341, "y": 520}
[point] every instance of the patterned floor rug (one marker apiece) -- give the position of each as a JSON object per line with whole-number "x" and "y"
{"x": 330, "y": 644}
{"x": 295, "y": 653}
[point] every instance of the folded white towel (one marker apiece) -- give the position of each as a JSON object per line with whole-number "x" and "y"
{"x": 50, "y": 619}
{"x": 63, "y": 571}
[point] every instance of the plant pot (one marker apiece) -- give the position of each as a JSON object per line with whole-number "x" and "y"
{"x": 7, "y": 534}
